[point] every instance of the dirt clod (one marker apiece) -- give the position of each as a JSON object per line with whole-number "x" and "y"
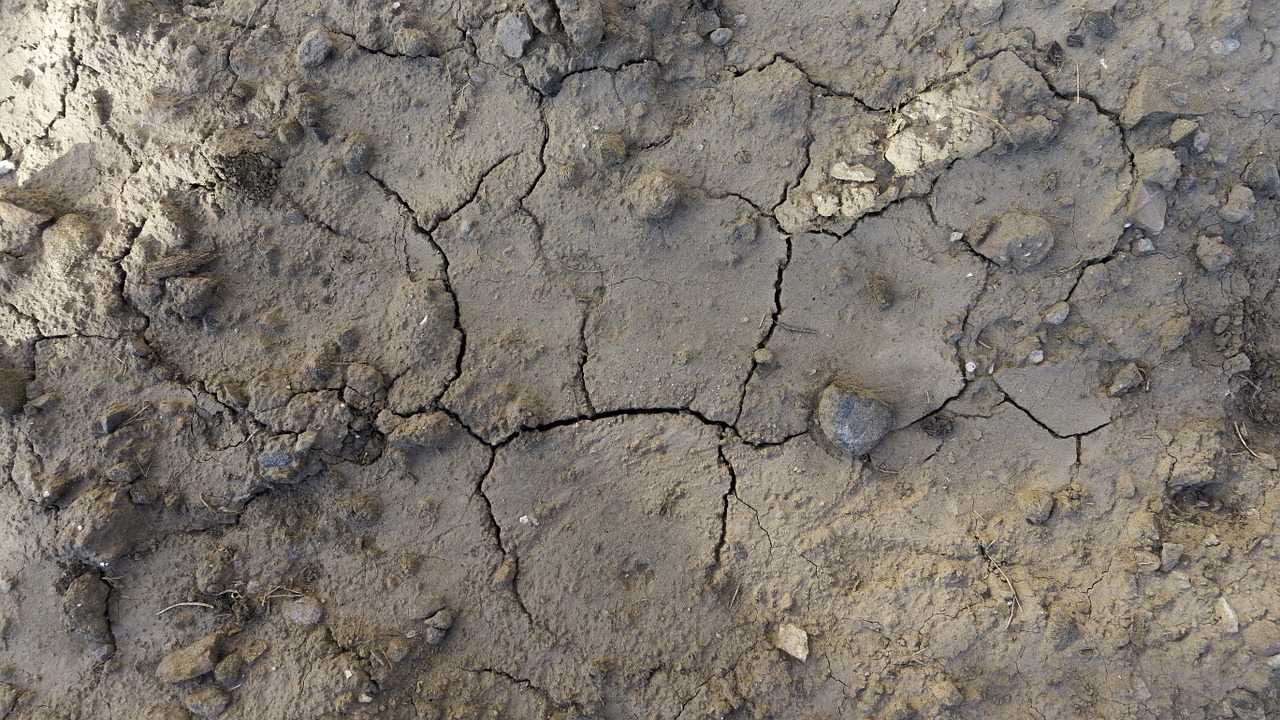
{"x": 655, "y": 196}
{"x": 305, "y": 612}
{"x": 84, "y": 611}
{"x": 191, "y": 661}
{"x": 1019, "y": 240}
{"x": 207, "y": 702}
{"x": 1036, "y": 504}
{"x": 514, "y": 32}
{"x": 1212, "y": 253}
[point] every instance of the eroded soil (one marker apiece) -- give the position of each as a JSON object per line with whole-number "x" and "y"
{"x": 459, "y": 359}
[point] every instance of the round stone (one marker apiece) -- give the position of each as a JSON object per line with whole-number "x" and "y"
{"x": 852, "y": 420}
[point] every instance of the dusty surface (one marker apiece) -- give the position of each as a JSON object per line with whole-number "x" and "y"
{"x": 463, "y": 359}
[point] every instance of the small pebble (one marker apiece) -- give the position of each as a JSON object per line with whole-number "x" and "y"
{"x": 1147, "y": 206}
{"x": 852, "y": 173}
{"x": 1159, "y": 166}
{"x": 793, "y": 641}
{"x": 1126, "y": 378}
{"x": 1239, "y": 205}
{"x": 1170, "y": 554}
{"x": 1057, "y": 313}
{"x": 1181, "y": 129}
{"x": 438, "y": 626}
{"x": 1224, "y": 46}
{"x": 6, "y": 167}
{"x": 314, "y": 49}
{"x": 357, "y": 154}
{"x": 721, "y": 37}
{"x": 1230, "y": 620}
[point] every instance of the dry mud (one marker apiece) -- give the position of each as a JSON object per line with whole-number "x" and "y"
{"x": 461, "y": 359}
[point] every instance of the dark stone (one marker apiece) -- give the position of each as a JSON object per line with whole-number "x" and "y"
{"x": 851, "y": 420}
{"x": 1262, "y": 176}
{"x": 1099, "y": 24}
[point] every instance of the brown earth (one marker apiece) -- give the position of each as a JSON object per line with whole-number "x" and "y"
{"x": 463, "y": 359}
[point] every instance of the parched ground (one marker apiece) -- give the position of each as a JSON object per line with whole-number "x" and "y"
{"x": 459, "y": 359}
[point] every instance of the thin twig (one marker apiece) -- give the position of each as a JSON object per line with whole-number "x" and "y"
{"x": 795, "y": 329}
{"x": 184, "y": 604}
{"x": 1240, "y": 435}
{"x": 1017, "y": 602}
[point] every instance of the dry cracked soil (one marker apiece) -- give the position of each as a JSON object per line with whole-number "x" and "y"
{"x": 639, "y": 359}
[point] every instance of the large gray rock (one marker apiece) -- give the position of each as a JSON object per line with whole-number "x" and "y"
{"x": 851, "y": 420}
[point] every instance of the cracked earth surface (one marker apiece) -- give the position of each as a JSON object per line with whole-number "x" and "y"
{"x": 452, "y": 359}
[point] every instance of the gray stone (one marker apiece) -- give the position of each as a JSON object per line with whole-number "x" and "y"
{"x": 191, "y": 661}
{"x": 721, "y": 37}
{"x": 852, "y": 420}
{"x": 1170, "y": 554}
{"x": 1181, "y": 129}
{"x": 1239, "y": 205}
{"x": 1262, "y": 176}
{"x": 438, "y": 626}
{"x": 1057, "y": 313}
{"x": 513, "y": 34}
{"x": 1147, "y": 206}
{"x": 314, "y": 49}
{"x": 357, "y": 154}
{"x": 1159, "y": 166}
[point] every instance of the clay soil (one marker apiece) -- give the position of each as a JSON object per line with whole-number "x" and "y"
{"x": 461, "y": 359}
